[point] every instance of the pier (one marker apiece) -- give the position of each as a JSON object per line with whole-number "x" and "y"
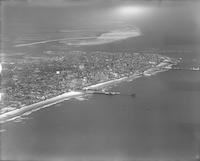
{"x": 102, "y": 92}
{"x": 196, "y": 69}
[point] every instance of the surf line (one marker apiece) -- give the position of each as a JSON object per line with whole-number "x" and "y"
{"x": 36, "y": 106}
{"x": 11, "y": 115}
{"x": 54, "y": 40}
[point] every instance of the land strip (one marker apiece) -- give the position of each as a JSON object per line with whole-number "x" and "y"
{"x": 11, "y": 115}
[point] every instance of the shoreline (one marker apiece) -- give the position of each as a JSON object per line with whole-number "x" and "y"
{"x": 8, "y": 116}
{"x": 26, "y": 110}
{"x": 107, "y": 37}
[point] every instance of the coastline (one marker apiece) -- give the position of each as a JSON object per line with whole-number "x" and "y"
{"x": 104, "y": 84}
{"x": 106, "y": 37}
{"x": 8, "y": 116}
{"x": 26, "y": 110}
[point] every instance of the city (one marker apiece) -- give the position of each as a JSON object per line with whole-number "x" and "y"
{"x": 28, "y": 82}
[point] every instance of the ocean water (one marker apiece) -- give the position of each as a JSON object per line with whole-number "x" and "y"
{"x": 160, "y": 123}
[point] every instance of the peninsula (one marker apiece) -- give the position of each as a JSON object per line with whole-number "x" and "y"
{"x": 29, "y": 85}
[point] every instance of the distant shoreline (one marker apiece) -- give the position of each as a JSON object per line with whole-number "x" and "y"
{"x": 106, "y": 37}
{"x": 26, "y": 110}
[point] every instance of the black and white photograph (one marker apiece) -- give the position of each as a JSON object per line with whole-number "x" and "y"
{"x": 100, "y": 80}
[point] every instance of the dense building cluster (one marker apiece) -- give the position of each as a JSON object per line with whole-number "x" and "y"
{"x": 28, "y": 82}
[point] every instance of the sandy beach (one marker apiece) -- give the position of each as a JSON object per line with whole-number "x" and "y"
{"x": 34, "y": 107}
{"x": 26, "y": 110}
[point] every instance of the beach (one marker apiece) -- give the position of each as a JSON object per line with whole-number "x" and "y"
{"x": 34, "y": 107}
{"x": 26, "y": 110}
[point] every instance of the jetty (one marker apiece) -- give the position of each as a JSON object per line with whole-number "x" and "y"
{"x": 197, "y": 69}
{"x": 102, "y": 92}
